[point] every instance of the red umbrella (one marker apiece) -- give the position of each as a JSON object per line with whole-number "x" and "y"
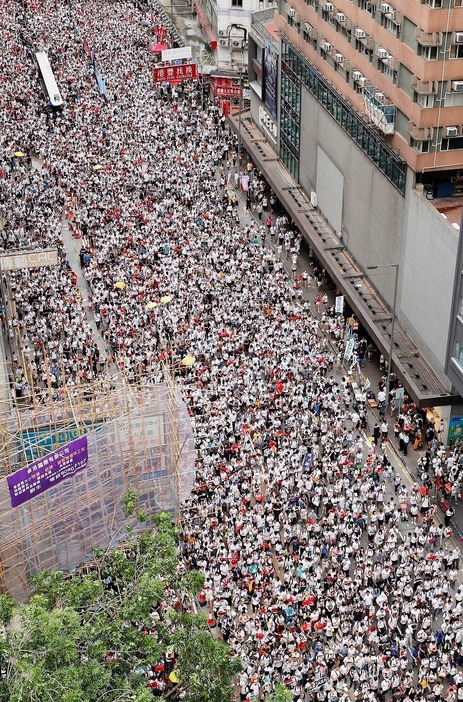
{"x": 157, "y": 48}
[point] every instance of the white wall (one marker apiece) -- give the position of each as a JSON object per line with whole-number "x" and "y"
{"x": 428, "y": 274}
{"x": 329, "y": 188}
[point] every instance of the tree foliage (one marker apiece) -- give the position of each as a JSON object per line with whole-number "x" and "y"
{"x": 280, "y": 694}
{"x": 92, "y": 636}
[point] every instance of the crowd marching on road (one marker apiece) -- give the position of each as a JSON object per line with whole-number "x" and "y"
{"x": 297, "y": 520}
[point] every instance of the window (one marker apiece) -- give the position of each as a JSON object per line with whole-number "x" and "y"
{"x": 237, "y": 3}
{"x": 452, "y": 144}
{"x": 347, "y": 33}
{"x": 453, "y": 99}
{"x": 456, "y": 51}
{"x": 458, "y": 3}
{"x": 421, "y": 146}
{"x": 364, "y": 50}
{"x": 368, "y": 6}
{"x": 388, "y": 71}
{"x": 425, "y": 100}
{"x": 392, "y": 26}
{"x": 460, "y": 308}
{"x": 458, "y": 354}
{"x": 434, "y": 3}
{"x": 428, "y": 52}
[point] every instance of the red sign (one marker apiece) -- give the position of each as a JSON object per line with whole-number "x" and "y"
{"x": 225, "y": 88}
{"x": 168, "y": 74}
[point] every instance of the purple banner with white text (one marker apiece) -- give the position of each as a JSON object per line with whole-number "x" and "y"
{"x": 47, "y": 472}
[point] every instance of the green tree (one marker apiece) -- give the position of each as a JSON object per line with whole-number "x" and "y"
{"x": 91, "y": 636}
{"x": 280, "y": 694}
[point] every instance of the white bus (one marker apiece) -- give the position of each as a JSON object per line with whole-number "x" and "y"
{"x": 47, "y": 80}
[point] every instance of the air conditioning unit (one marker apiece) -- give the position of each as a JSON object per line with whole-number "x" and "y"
{"x": 223, "y": 42}
{"x": 362, "y": 82}
{"x": 451, "y": 131}
{"x": 308, "y": 28}
{"x": 382, "y": 53}
{"x": 340, "y": 17}
{"x": 380, "y": 97}
{"x": 458, "y": 37}
{"x": 297, "y": 18}
{"x": 359, "y": 33}
{"x": 457, "y": 86}
{"x": 222, "y": 32}
{"x": 339, "y": 58}
{"x": 313, "y": 198}
{"x": 328, "y": 7}
{"x": 326, "y": 46}
{"x": 357, "y": 76}
{"x": 291, "y": 11}
{"x": 385, "y": 9}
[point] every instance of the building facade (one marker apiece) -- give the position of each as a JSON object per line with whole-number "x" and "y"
{"x": 367, "y": 121}
{"x": 226, "y": 25}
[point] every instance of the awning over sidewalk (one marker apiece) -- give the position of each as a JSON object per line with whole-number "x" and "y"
{"x": 204, "y": 23}
{"x": 412, "y": 370}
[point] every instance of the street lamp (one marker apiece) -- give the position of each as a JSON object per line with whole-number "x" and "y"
{"x": 394, "y": 305}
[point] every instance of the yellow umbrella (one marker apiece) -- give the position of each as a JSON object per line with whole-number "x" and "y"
{"x": 19, "y": 153}
{"x": 120, "y": 285}
{"x": 98, "y": 167}
{"x": 173, "y": 677}
{"x": 188, "y": 361}
{"x": 151, "y": 305}
{"x": 166, "y": 298}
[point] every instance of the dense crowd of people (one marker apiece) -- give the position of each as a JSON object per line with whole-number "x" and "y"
{"x": 312, "y": 574}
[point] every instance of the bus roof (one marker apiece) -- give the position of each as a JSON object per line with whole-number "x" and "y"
{"x": 48, "y": 78}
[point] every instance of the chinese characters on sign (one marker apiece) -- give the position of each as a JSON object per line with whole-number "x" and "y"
{"x": 168, "y": 74}
{"x": 47, "y": 472}
{"x": 228, "y": 92}
{"x": 224, "y": 87}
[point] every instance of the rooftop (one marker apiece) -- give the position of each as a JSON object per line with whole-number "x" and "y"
{"x": 451, "y": 208}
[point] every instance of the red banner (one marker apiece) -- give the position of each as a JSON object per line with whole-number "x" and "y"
{"x": 175, "y": 74}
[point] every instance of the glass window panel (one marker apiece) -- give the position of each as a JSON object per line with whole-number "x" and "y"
{"x": 458, "y": 354}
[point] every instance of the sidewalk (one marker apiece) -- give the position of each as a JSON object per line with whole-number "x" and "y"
{"x": 406, "y": 465}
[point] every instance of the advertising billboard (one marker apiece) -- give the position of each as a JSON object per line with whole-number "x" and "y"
{"x": 271, "y": 79}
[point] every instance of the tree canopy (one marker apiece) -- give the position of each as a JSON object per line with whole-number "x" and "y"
{"x": 120, "y": 630}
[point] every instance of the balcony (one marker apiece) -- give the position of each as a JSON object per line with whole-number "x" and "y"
{"x": 379, "y": 110}
{"x": 424, "y": 87}
{"x": 429, "y": 38}
{"x": 420, "y": 133}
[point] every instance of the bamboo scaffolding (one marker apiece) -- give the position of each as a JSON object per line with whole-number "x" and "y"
{"x": 137, "y": 432}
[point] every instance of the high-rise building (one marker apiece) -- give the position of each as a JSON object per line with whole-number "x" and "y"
{"x": 362, "y": 103}
{"x": 226, "y": 25}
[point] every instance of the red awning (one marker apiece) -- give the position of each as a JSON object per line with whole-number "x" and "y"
{"x": 204, "y": 22}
